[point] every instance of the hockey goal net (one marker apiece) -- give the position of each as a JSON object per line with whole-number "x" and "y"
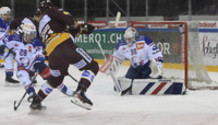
{"x": 183, "y": 56}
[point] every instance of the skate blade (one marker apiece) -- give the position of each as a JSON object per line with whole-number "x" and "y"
{"x": 37, "y": 111}
{"x": 8, "y": 84}
{"x": 77, "y": 102}
{"x": 69, "y": 95}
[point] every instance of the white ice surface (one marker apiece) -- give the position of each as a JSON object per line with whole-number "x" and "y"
{"x": 195, "y": 108}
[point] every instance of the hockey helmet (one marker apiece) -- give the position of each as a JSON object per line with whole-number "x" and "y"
{"x": 45, "y": 5}
{"x": 5, "y": 13}
{"x": 29, "y": 32}
{"x": 37, "y": 14}
{"x": 130, "y": 35}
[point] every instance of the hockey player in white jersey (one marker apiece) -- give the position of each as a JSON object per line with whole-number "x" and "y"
{"x": 145, "y": 74}
{"x": 28, "y": 54}
{"x": 142, "y": 53}
{"x": 145, "y": 57}
{"x": 5, "y": 14}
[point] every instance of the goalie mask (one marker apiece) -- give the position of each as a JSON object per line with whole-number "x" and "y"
{"x": 130, "y": 35}
{"x": 29, "y": 32}
{"x": 5, "y": 13}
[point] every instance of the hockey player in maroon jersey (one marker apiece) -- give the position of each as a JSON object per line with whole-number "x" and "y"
{"x": 58, "y": 29}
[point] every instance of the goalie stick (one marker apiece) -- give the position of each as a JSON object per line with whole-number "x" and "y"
{"x": 117, "y": 19}
{"x": 116, "y": 84}
{"x": 128, "y": 89}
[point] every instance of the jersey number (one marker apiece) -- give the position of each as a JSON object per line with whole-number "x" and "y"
{"x": 133, "y": 51}
{"x": 23, "y": 52}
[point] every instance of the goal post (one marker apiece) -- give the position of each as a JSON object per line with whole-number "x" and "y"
{"x": 179, "y": 43}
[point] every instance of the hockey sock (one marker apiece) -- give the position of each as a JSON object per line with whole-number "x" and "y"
{"x": 63, "y": 88}
{"x": 87, "y": 78}
{"x": 45, "y": 90}
{"x": 9, "y": 73}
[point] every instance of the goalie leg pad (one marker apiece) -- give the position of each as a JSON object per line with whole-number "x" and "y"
{"x": 152, "y": 86}
{"x": 158, "y": 87}
{"x": 175, "y": 88}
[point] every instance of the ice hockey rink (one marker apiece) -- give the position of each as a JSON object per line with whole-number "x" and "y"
{"x": 194, "y": 108}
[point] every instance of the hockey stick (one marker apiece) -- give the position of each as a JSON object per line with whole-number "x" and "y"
{"x": 24, "y": 95}
{"x": 117, "y": 86}
{"x": 17, "y": 106}
{"x": 73, "y": 78}
{"x": 117, "y": 19}
{"x": 10, "y": 51}
{"x": 127, "y": 90}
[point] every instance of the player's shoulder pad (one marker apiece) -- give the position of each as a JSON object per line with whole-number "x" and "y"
{"x": 37, "y": 43}
{"x": 15, "y": 37}
{"x": 147, "y": 40}
{"x": 121, "y": 43}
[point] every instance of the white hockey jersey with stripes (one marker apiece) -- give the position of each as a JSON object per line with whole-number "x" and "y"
{"x": 142, "y": 50}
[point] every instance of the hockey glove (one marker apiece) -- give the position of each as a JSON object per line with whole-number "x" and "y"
{"x": 156, "y": 71}
{"x": 87, "y": 28}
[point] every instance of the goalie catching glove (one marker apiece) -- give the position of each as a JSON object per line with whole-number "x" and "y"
{"x": 156, "y": 71}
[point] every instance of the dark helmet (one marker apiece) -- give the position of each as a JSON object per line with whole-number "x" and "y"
{"x": 45, "y": 5}
{"x": 37, "y": 12}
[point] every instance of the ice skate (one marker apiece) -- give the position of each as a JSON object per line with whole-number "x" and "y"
{"x": 31, "y": 96}
{"x": 80, "y": 99}
{"x": 10, "y": 82}
{"x": 36, "y": 104}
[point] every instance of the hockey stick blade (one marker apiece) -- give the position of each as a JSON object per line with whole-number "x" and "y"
{"x": 15, "y": 107}
{"x": 125, "y": 91}
{"x": 24, "y": 95}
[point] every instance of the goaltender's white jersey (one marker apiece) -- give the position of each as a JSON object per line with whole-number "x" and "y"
{"x": 142, "y": 50}
{"x": 25, "y": 54}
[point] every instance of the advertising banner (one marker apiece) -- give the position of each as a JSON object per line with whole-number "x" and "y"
{"x": 108, "y": 38}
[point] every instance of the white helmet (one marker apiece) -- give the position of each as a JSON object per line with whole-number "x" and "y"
{"x": 5, "y": 13}
{"x": 130, "y": 35}
{"x": 29, "y": 32}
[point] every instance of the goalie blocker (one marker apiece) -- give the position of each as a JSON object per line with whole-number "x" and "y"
{"x": 151, "y": 86}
